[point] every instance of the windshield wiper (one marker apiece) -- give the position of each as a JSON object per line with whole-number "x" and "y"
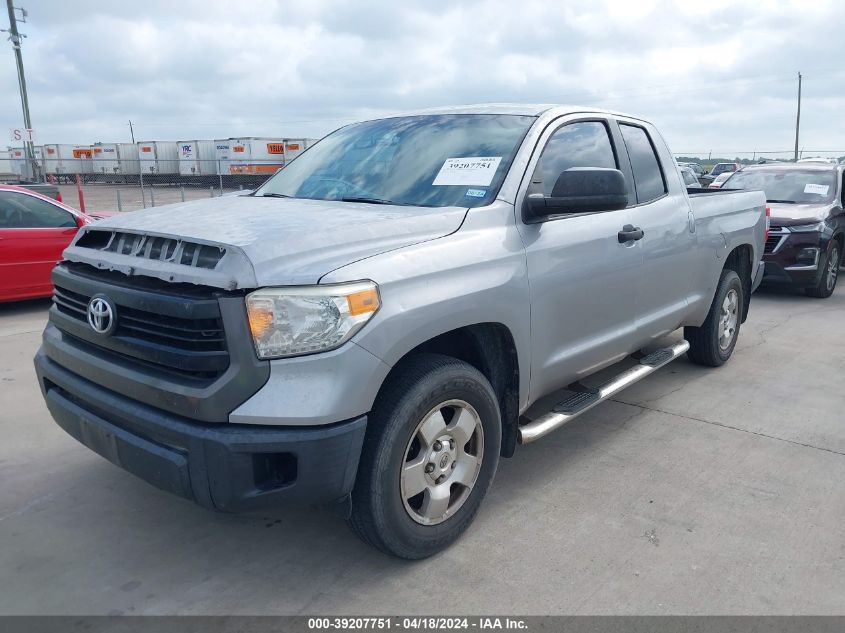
{"x": 274, "y": 195}
{"x": 782, "y": 201}
{"x": 371, "y": 201}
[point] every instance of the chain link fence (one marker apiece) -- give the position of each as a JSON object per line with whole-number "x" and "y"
{"x": 131, "y": 176}
{"x": 102, "y": 186}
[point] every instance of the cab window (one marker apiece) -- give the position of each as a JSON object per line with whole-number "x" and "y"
{"x": 648, "y": 176}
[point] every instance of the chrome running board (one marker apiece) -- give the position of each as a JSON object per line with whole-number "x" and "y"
{"x": 573, "y": 406}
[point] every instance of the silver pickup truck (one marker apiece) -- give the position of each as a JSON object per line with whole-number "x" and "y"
{"x": 370, "y": 326}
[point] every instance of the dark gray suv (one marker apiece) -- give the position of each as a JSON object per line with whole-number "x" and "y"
{"x": 807, "y": 236}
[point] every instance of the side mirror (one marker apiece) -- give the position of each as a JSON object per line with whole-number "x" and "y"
{"x": 580, "y": 190}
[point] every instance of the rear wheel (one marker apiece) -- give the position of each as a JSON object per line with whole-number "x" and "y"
{"x": 830, "y": 273}
{"x": 430, "y": 454}
{"x": 713, "y": 342}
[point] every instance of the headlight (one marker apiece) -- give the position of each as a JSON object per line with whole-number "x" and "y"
{"x": 807, "y": 228}
{"x": 297, "y": 320}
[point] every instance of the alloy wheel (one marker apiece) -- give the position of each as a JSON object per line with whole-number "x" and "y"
{"x": 442, "y": 462}
{"x": 728, "y": 319}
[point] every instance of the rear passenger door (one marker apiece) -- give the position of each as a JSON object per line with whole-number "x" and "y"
{"x": 583, "y": 281}
{"x": 661, "y": 209}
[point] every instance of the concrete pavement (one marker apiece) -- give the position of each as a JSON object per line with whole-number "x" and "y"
{"x": 696, "y": 492}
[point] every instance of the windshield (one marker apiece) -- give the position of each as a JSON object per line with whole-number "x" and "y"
{"x": 433, "y": 160}
{"x": 788, "y": 185}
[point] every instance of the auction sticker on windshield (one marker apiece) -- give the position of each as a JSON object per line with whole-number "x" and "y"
{"x": 817, "y": 189}
{"x": 475, "y": 170}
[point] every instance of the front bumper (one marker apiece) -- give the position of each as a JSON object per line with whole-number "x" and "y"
{"x": 236, "y": 468}
{"x": 783, "y": 265}
{"x": 776, "y": 273}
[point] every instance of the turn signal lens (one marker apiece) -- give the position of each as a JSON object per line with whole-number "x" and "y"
{"x": 260, "y": 312}
{"x": 363, "y": 302}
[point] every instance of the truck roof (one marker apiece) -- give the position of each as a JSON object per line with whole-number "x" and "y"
{"x": 523, "y": 109}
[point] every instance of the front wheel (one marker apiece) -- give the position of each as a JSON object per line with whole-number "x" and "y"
{"x": 430, "y": 454}
{"x": 713, "y": 342}
{"x": 830, "y": 273}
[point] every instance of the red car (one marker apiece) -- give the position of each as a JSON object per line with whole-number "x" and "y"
{"x": 34, "y": 230}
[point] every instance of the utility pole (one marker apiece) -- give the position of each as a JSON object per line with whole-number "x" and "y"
{"x": 140, "y": 169}
{"x": 15, "y": 37}
{"x": 798, "y": 118}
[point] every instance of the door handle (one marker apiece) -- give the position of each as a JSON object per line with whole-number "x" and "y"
{"x": 630, "y": 233}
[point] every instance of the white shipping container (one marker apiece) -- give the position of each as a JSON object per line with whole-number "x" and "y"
{"x": 295, "y": 146}
{"x": 6, "y": 168}
{"x": 257, "y": 155}
{"x": 115, "y": 158}
{"x": 18, "y": 162}
{"x": 197, "y": 158}
{"x": 159, "y": 157}
{"x": 84, "y": 155}
{"x": 19, "y": 166}
{"x": 223, "y": 154}
{"x": 105, "y": 158}
{"x": 58, "y": 159}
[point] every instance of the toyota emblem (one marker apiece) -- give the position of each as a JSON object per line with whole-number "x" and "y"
{"x": 101, "y": 315}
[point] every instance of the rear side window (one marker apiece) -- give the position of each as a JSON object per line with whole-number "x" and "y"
{"x": 648, "y": 177}
{"x": 581, "y": 144}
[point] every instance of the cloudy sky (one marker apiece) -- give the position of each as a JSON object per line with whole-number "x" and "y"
{"x": 713, "y": 74}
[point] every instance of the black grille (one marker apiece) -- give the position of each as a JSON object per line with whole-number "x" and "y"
{"x": 205, "y": 335}
{"x": 183, "y": 335}
{"x": 771, "y": 243}
{"x": 166, "y": 249}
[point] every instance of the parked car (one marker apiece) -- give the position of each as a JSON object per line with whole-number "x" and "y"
{"x": 689, "y": 177}
{"x": 34, "y": 230}
{"x": 697, "y": 169}
{"x": 369, "y": 326}
{"x": 720, "y": 180}
{"x": 719, "y": 168}
{"x": 807, "y": 237}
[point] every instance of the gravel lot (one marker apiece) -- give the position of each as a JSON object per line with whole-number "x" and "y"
{"x": 695, "y": 492}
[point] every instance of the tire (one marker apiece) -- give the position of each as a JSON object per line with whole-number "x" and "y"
{"x": 400, "y": 444}
{"x": 713, "y": 342}
{"x": 830, "y": 272}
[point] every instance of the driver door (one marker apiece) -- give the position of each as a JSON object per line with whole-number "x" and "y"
{"x": 583, "y": 281}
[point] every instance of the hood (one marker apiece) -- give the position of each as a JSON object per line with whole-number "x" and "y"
{"x": 286, "y": 241}
{"x": 791, "y": 214}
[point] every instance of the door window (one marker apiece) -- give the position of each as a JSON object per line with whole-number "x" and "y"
{"x": 648, "y": 177}
{"x": 581, "y": 144}
{"x": 21, "y": 211}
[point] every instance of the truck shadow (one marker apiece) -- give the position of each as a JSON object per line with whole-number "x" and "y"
{"x": 25, "y": 308}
